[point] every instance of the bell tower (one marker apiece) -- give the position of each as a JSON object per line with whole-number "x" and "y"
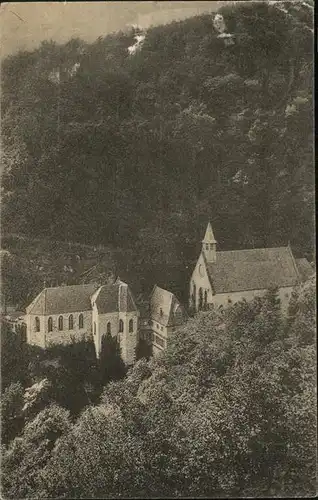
{"x": 209, "y": 245}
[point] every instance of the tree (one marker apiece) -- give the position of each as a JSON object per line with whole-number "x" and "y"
{"x": 11, "y": 412}
{"x": 110, "y": 363}
{"x": 24, "y": 459}
{"x": 15, "y": 356}
{"x": 143, "y": 349}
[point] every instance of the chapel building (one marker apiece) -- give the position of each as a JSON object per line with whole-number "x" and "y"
{"x": 224, "y": 277}
{"x": 60, "y": 314}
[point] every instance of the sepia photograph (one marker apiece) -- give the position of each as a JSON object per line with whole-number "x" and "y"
{"x": 158, "y": 263}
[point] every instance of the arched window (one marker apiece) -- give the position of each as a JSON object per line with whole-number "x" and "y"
{"x": 194, "y": 296}
{"x": 121, "y": 326}
{"x": 200, "y": 298}
{"x": 70, "y": 322}
{"x": 37, "y": 324}
{"x": 50, "y": 324}
{"x": 94, "y": 328}
{"x": 161, "y": 311}
{"x": 60, "y": 322}
{"x": 131, "y": 325}
{"x": 81, "y": 321}
{"x": 109, "y": 327}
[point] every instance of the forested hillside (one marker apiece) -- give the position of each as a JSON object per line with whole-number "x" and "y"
{"x": 138, "y": 149}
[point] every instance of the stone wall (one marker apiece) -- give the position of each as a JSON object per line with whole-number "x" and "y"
{"x": 44, "y": 338}
{"x": 225, "y": 299}
{"x": 128, "y": 340}
{"x": 34, "y": 337}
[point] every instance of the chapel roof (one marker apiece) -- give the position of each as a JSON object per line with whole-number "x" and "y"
{"x": 253, "y": 269}
{"x": 115, "y": 297}
{"x": 63, "y": 299}
{"x": 165, "y": 308}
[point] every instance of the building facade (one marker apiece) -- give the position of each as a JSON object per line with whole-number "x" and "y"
{"x": 222, "y": 278}
{"x": 61, "y": 314}
{"x": 165, "y": 315}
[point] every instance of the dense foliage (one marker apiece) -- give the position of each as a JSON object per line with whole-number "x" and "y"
{"x": 139, "y": 150}
{"x": 67, "y": 375}
{"x": 228, "y": 410}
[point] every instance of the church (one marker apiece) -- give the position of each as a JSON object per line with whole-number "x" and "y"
{"x": 60, "y": 314}
{"x": 224, "y": 277}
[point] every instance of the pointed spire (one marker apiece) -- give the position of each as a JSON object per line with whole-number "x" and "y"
{"x": 209, "y": 245}
{"x": 209, "y": 236}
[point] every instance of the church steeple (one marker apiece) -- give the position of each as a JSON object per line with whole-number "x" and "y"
{"x": 209, "y": 244}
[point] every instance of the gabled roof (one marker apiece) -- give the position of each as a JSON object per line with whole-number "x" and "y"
{"x": 304, "y": 268}
{"x": 254, "y": 269}
{"x": 115, "y": 297}
{"x": 63, "y": 299}
{"x": 165, "y": 308}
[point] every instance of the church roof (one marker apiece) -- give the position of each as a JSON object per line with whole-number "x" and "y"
{"x": 254, "y": 269}
{"x": 209, "y": 236}
{"x": 115, "y": 297}
{"x": 165, "y": 308}
{"x": 63, "y": 299}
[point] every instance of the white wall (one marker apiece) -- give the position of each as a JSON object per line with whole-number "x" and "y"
{"x": 127, "y": 340}
{"x": 200, "y": 282}
{"x": 34, "y": 337}
{"x": 223, "y": 298}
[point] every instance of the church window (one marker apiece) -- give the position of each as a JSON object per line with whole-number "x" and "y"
{"x": 194, "y": 295}
{"x": 70, "y": 322}
{"x": 161, "y": 312}
{"x": 200, "y": 299}
{"x": 94, "y": 328}
{"x": 131, "y": 325}
{"x": 81, "y": 321}
{"x": 121, "y": 326}
{"x": 109, "y": 328}
{"x": 50, "y": 324}
{"x": 60, "y": 322}
{"x": 37, "y": 324}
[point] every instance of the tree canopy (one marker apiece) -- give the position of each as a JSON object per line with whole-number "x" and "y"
{"x": 138, "y": 150}
{"x": 228, "y": 410}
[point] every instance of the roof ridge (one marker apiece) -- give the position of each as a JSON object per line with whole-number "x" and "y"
{"x": 165, "y": 290}
{"x": 68, "y": 286}
{"x": 251, "y": 249}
